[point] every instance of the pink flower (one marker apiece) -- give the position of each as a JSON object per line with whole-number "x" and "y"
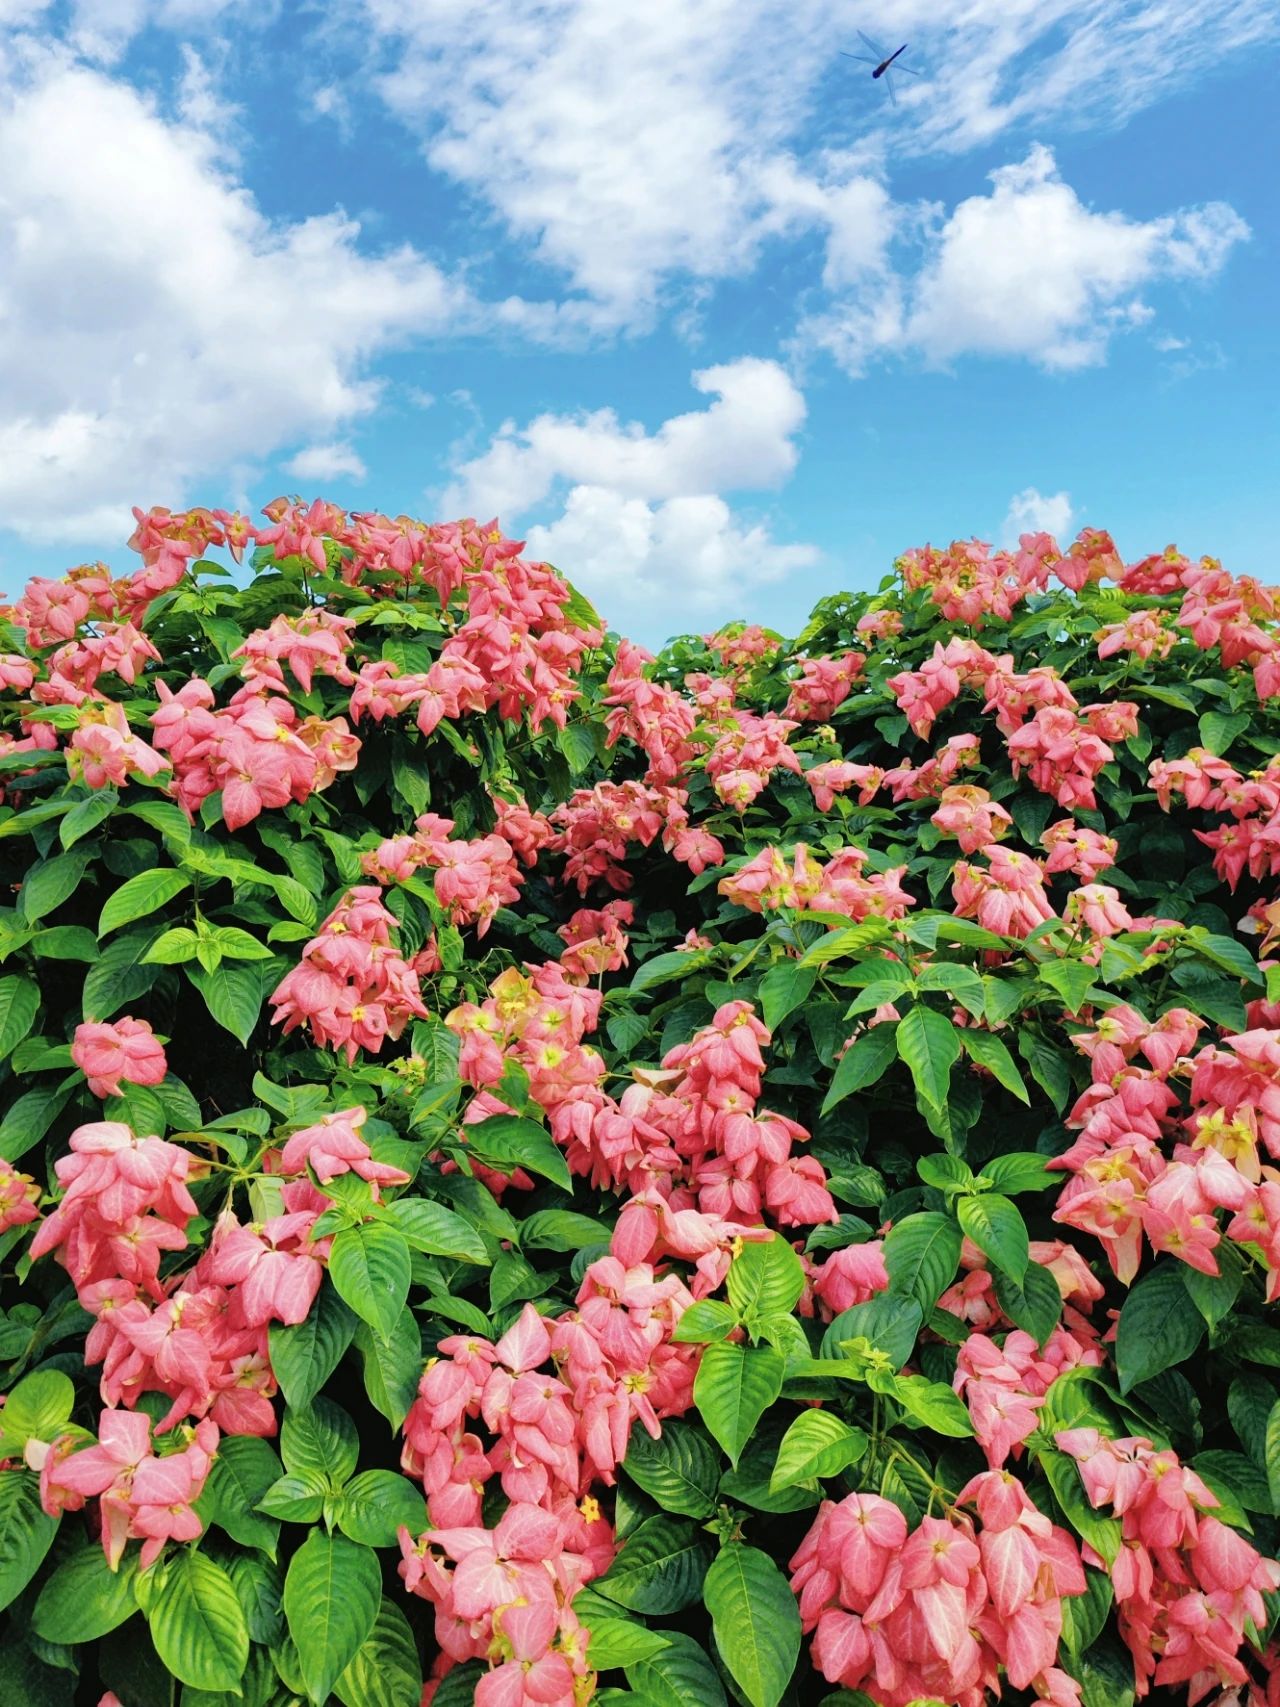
{"x": 334, "y": 1146}
{"x": 19, "y": 1195}
{"x": 125, "y": 1049}
{"x": 852, "y": 1276}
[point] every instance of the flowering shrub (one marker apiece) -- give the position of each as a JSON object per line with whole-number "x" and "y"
{"x": 534, "y": 1174}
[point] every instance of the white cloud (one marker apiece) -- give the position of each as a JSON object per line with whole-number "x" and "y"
{"x": 642, "y": 515}
{"x": 742, "y": 441}
{"x": 645, "y": 147}
{"x": 654, "y": 568}
{"x": 1030, "y": 511}
{"x": 327, "y": 462}
{"x": 155, "y": 325}
{"x": 1029, "y": 271}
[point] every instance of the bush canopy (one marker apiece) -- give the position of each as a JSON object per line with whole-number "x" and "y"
{"x": 532, "y": 1173}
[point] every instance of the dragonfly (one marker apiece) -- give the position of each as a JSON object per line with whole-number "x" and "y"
{"x": 884, "y": 63}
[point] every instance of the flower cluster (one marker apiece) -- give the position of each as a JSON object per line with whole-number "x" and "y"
{"x": 939, "y": 1612}
{"x": 141, "y": 1495}
{"x": 351, "y": 988}
{"x": 1186, "y": 1585}
{"x": 551, "y": 1437}
{"x": 841, "y": 885}
{"x": 472, "y": 878}
{"x": 258, "y": 752}
{"x": 127, "y": 1050}
{"x": 1123, "y": 1187}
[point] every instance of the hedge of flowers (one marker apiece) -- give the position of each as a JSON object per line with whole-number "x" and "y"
{"x": 534, "y": 1174}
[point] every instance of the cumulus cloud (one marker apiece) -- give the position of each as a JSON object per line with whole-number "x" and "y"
{"x": 1028, "y": 271}
{"x": 1031, "y": 511}
{"x": 742, "y": 441}
{"x": 155, "y": 325}
{"x": 327, "y": 462}
{"x": 642, "y": 515}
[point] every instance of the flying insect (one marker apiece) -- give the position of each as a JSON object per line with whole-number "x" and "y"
{"x": 884, "y": 63}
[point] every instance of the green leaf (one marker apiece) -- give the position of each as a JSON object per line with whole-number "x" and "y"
{"x": 782, "y": 989}
{"x": 438, "y": 1231}
{"x": 577, "y": 743}
{"x": 561, "y": 1230}
{"x": 139, "y": 896}
{"x": 679, "y": 963}
{"x": 508, "y": 1141}
{"x": 944, "y": 1172}
{"x": 1034, "y": 1304}
{"x": 962, "y": 982}
{"x": 26, "y": 1533}
{"x": 1273, "y": 1454}
{"x": 1234, "y": 1478}
{"x": 85, "y": 1598}
{"x": 298, "y": 1497}
{"x": 998, "y": 1230}
{"x": 625, "y": 1030}
{"x": 1218, "y": 729}
{"x": 19, "y": 999}
{"x": 386, "y": 1671}
{"x": 243, "y": 1468}
{"x": 921, "y": 1254}
{"x": 1083, "y": 1615}
{"x": 304, "y": 1357}
{"x": 37, "y": 1409}
{"x": 617, "y": 1642}
{"x": 376, "y": 1503}
{"x": 27, "y": 1120}
{"x": 680, "y": 1676}
{"x": 734, "y": 1386}
{"x": 47, "y": 885}
{"x": 708, "y": 1319}
{"x": 989, "y": 1052}
{"x": 1214, "y": 1295}
{"x": 930, "y": 1045}
{"x": 680, "y": 1470}
{"x": 890, "y": 1322}
{"x": 65, "y": 942}
{"x": 659, "y": 1569}
{"x": 1230, "y": 955}
{"x": 817, "y": 1444}
{"x": 1047, "y": 1067}
{"x": 1019, "y": 1171}
{"x": 765, "y": 1279}
{"x": 239, "y": 945}
{"x": 1249, "y": 1403}
{"x": 86, "y": 815}
{"x": 862, "y": 1064}
{"x": 119, "y": 975}
{"x": 392, "y": 1367}
{"x": 320, "y": 1440}
{"x": 233, "y": 995}
{"x": 756, "y": 1621}
{"x": 197, "y": 1623}
{"x": 1071, "y": 980}
{"x": 931, "y": 1403}
{"x": 370, "y": 1266}
{"x": 332, "y": 1593}
{"x": 1159, "y": 1326}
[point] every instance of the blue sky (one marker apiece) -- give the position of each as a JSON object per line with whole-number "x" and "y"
{"x": 672, "y": 288}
